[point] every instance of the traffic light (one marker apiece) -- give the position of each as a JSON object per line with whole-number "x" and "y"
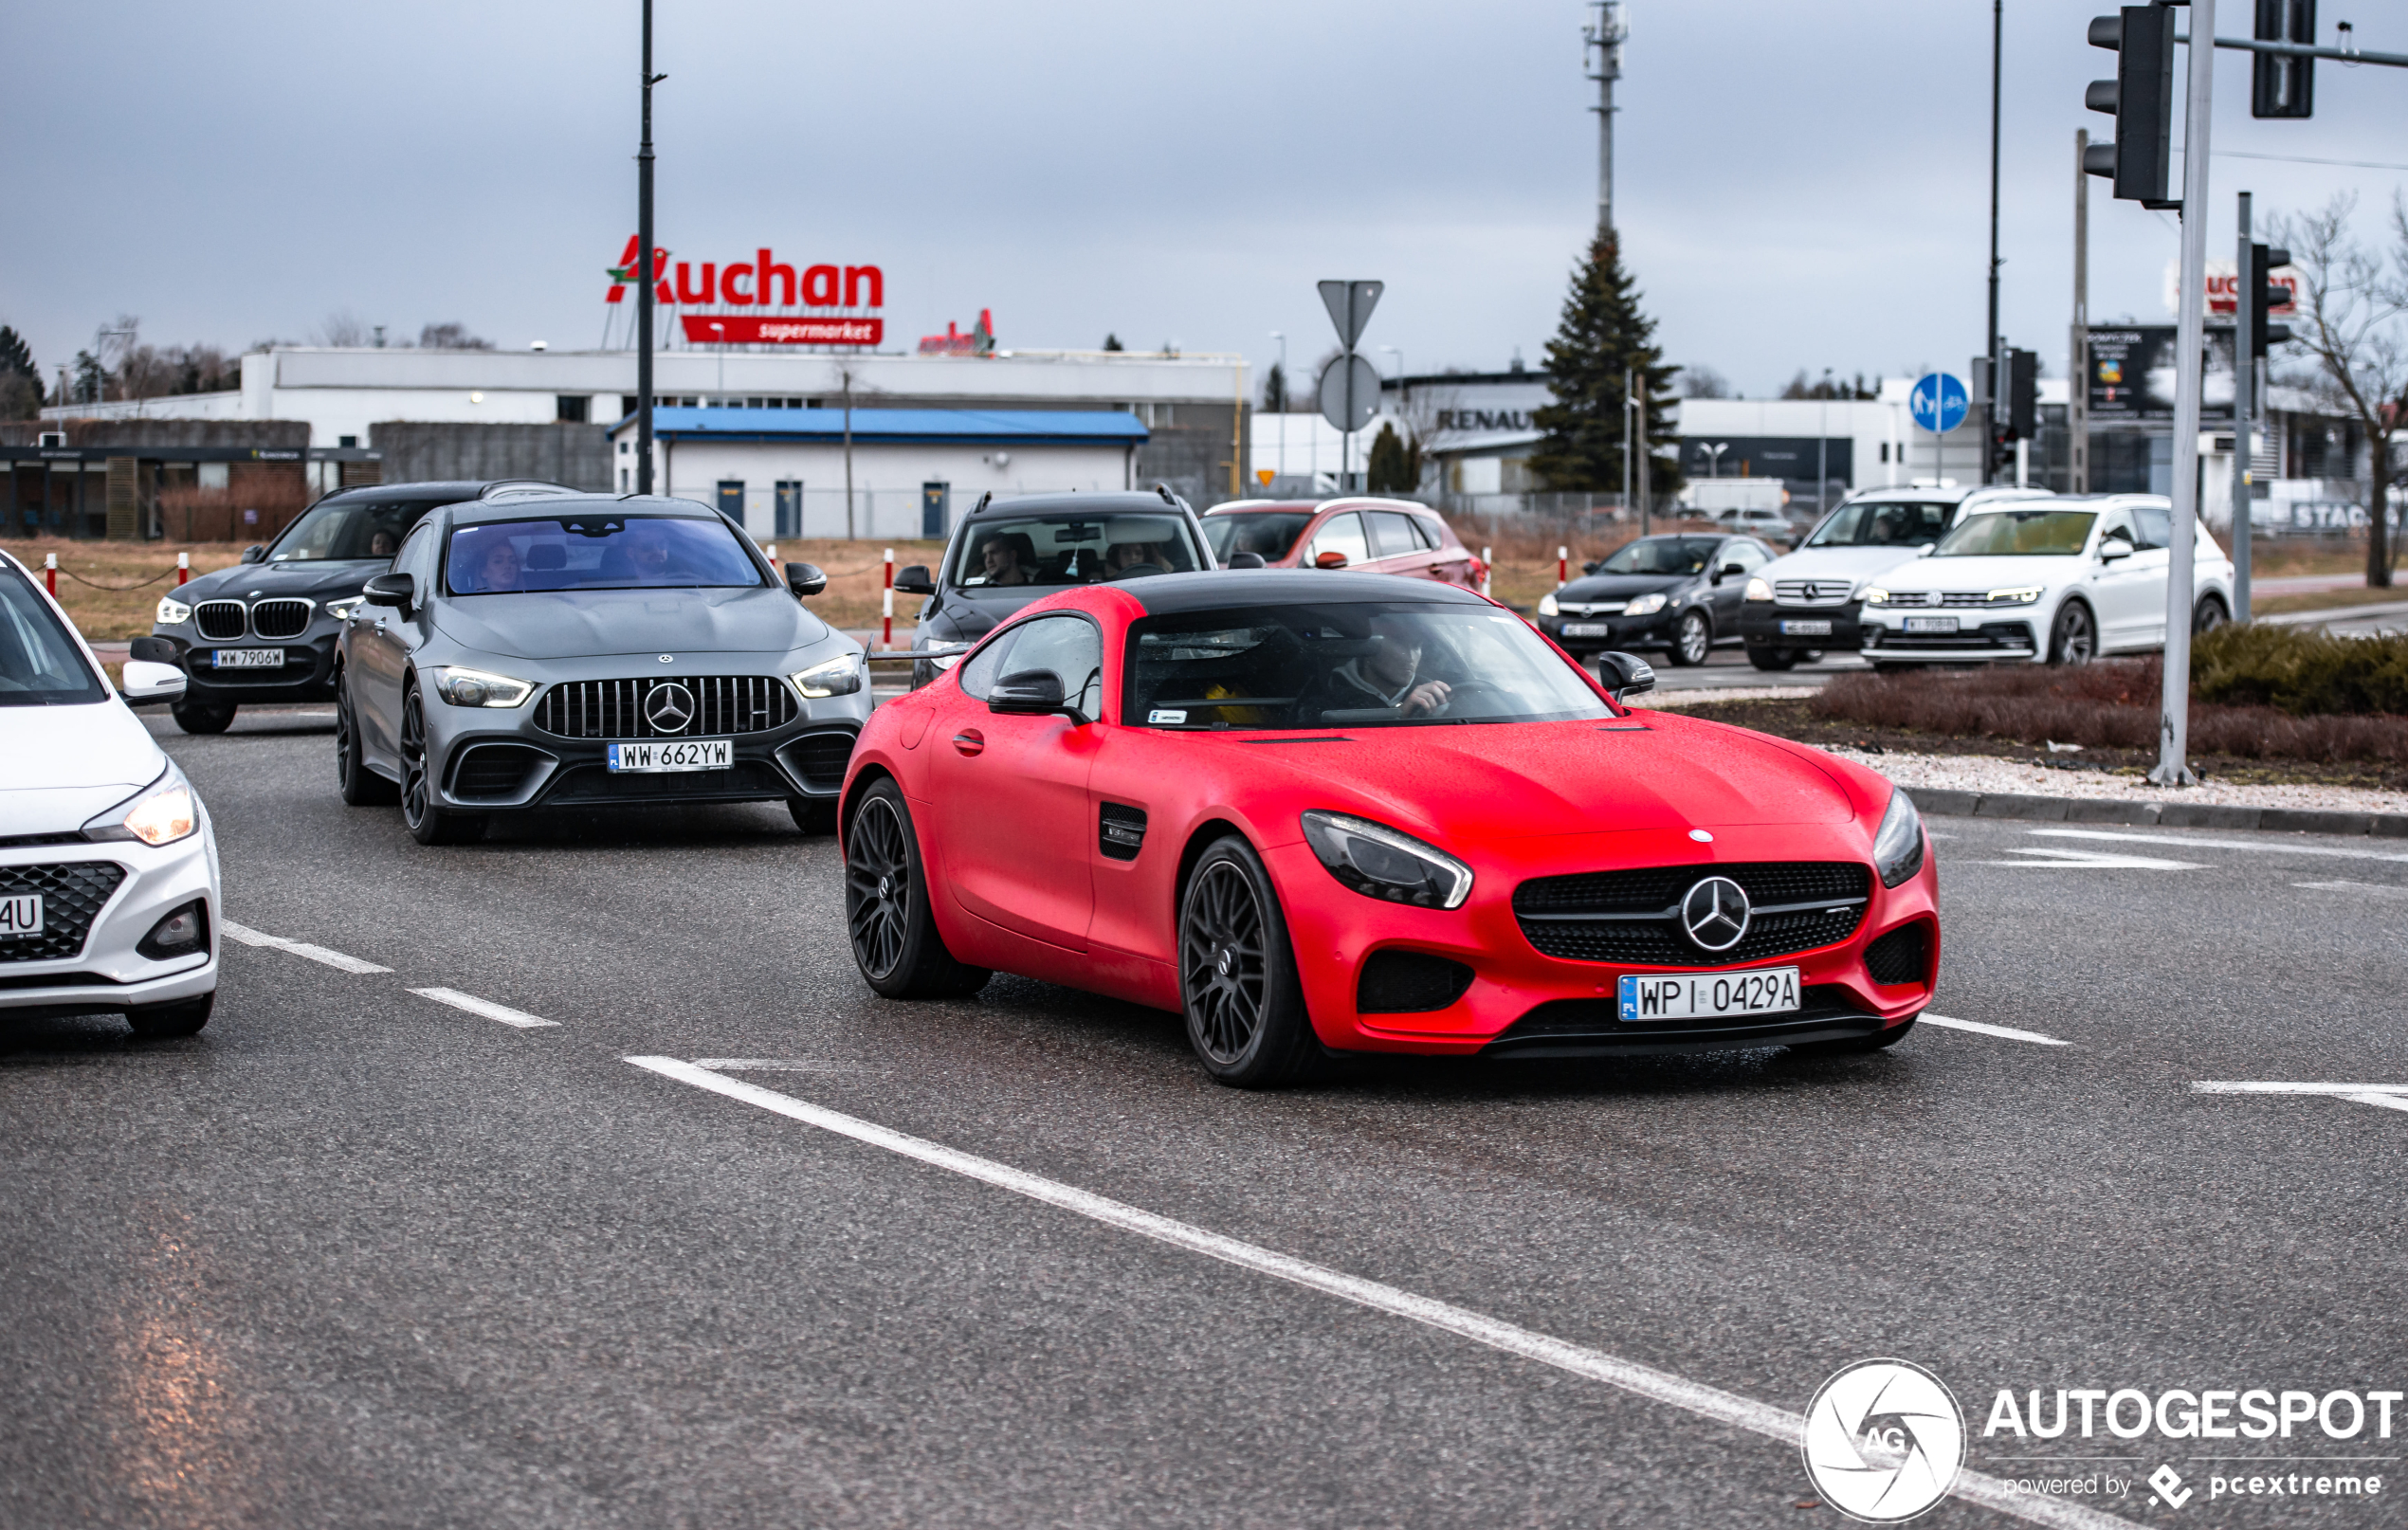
{"x": 2267, "y": 296}
{"x": 2281, "y": 85}
{"x": 2141, "y": 98}
{"x": 2023, "y": 395}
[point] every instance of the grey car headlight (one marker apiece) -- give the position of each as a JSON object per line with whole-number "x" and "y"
{"x": 160, "y": 813}
{"x": 1898, "y": 847}
{"x": 172, "y": 610}
{"x": 1379, "y": 863}
{"x": 1645, "y": 606}
{"x": 840, "y": 676}
{"x": 479, "y": 687}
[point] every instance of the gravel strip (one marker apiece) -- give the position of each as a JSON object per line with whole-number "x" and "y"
{"x": 1973, "y": 772}
{"x": 1694, "y": 697}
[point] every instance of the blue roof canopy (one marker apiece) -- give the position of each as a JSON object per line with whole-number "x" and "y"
{"x": 961, "y": 427}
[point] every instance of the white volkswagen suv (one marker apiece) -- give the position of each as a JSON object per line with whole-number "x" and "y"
{"x": 109, "y": 888}
{"x": 2061, "y": 580}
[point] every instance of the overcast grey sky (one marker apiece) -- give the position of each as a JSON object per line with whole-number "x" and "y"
{"x": 1799, "y": 183}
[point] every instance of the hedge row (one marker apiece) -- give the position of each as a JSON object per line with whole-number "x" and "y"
{"x": 2305, "y": 674}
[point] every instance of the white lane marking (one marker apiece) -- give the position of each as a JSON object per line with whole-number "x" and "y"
{"x": 482, "y": 1007}
{"x": 300, "y": 948}
{"x": 2271, "y": 846}
{"x": 2009, "y": 1033}
{"x": 776, "y": 1065}
{"x": 2388, "y": 1096}
{"x": 2049, "y": 855}
{"x": 1596, "y": 1365}
{"x": 2379, "y": 889}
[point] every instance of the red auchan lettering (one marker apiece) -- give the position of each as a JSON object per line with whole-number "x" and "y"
{"x": 761, "y": 282}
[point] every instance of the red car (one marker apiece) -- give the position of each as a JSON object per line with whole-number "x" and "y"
{"x": 1366, "y": 534}
{"x": 1328, "y": 812}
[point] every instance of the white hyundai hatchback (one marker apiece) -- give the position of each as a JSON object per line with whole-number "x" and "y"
{"x": 109, "y": 888}
{"x": 2060, "y": 581}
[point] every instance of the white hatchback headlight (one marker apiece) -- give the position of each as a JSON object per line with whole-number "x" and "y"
{"x": 840, "y": 676}
{"x": 1645, "y": 605}
{"x": 160, "y": 813}
{"x": 478, "y": 687}
{"x": 172, "y": 612}
{"x": 2020, "y": 595}
{"x": 1876, "y": 596}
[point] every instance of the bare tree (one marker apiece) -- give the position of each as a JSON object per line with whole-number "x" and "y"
{"x": 454, "y": 336}
{"x": 1703, "y": 381}
{"x": 2353, "y": 310}
{"x": 343, "y": 328}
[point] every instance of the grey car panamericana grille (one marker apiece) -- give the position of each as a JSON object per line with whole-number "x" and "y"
{"x": 286, "y": 617}
{"x": 220, "y": 621}
{"x": 719, "y": 704}
{"x": 1811, "y": 592}
{"x": 1633, "y": 916}
{"x": 72, "y": 896}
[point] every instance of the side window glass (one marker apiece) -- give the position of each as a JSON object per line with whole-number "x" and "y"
{"x": 1747, "y": 555}
{"x": 1342, "y": 533}
{"x": 982, "y": 668}
{"x": 2155, "y": 526}
{"x": 1427, "y": 533}
{"x": 1066, "y": 647}
{"x": 1392, "y": 534}
{"x": 417, "y": 559}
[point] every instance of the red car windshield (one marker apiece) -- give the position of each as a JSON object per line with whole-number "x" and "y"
{"x": 1365, "y": 664}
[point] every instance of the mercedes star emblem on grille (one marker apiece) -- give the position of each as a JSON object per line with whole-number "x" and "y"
{"x": 671, "y": 707}
{"x": 1715, "y": 913}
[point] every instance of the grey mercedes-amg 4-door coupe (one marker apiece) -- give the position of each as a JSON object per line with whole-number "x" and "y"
{"x": 591, "y": 651}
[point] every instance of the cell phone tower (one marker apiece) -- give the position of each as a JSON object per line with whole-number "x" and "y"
{"x": 1602, "y": 57}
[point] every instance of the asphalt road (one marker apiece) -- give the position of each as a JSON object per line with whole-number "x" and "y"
{"x": 355, "y": 1256}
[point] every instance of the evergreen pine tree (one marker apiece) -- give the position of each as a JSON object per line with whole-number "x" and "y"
{"x": 1275, "y": 389}
{"x": 1602, "y": 333}
{"x": 1391, "y": 469}
{"x": 1112, "y": 342}
{"x": 16, "y": 357}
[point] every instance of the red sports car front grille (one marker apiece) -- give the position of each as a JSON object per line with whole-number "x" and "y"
{"x": 1633, "y": 917}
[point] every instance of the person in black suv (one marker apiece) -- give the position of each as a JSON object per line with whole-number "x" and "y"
{"x": 264, "y": 631}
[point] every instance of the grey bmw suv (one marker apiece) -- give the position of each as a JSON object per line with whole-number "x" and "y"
{"x": 589, "y": 652}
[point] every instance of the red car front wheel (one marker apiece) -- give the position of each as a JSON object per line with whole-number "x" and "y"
{"x": 1237, "y": 973}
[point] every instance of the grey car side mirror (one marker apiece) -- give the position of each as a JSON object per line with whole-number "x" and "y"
{"x": 914, "y": 580}
{"x": 805, "y": 579}
{"x": 1033, "y": 693}
{"x": 395, "y": 589}
{"x": 1625, "y": 674}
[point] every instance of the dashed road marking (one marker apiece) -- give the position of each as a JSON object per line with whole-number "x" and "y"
{"x": 2375, "y": 888}
{"x": 776, "y": 1065}
{"x": 2049, "y": 855}
{"x": 2009, "y": 1033}
{"x": 2273, "y": 845}
{"x": 2387, "y": 1096}
{"x": 1595, "y": 1365}
{"x": 300, "y": 948}
{"x": 486, "y": 1008}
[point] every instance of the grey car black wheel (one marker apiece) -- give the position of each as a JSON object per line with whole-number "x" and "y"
{"x": 894, "y": 934}
{"x": 164, "y": 1022}
{"x": 2073, "y": 637}
{"x": 1692, "y": 638}
{"x": 202, "y": 718}
{"x": 428, "y": 822}
{"x": 360, "y": 786}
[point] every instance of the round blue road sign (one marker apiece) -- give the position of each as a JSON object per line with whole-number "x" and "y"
{"x": 1939, "y": 402}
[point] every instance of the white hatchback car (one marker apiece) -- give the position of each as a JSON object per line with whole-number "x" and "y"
{"x": 109, "y": 888}
{"x": 2060, "y": 581}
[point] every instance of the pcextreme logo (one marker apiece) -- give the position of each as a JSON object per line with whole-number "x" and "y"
{"x": 1884, "y": 1440}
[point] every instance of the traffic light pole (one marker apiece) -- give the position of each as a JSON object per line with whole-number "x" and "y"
{"x": 2244, "y": 404}
{"x": 645, "y": 275}
{"x": 1996, "y": 389}
{"x": 2190, "y": 335}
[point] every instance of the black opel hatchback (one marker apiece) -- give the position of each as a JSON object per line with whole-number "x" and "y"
{"x": 264, "y": 631}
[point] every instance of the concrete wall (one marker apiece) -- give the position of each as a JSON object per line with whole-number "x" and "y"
{"x": 578, "y": 455}
{"x": 149, "y": 434}
{"x": 1190, "y": 448}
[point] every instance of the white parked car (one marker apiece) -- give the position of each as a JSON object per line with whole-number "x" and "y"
{"x": 109, "y": 889}
{"x": 2060, "y": 581}
{"x": 1807, "y": 602}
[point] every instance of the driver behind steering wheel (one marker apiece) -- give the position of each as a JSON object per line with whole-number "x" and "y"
{"x": 1388, "y": 676}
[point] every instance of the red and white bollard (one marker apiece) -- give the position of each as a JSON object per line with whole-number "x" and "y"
{"x": 1488, "y": 561}
{"x": 1563, "y": 567}
{"x": 50, "y": 572}
{"x": 772, "y": 551}
{"x": 183, "y": 569}
{"x": 888, "y": 641}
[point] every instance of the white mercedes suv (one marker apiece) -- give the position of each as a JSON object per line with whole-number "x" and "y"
{"x": 2060, "y": 581}
{"x": 109, "y": 888}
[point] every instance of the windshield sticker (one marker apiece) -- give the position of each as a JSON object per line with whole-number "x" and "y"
{"x": 1159, "y": 716}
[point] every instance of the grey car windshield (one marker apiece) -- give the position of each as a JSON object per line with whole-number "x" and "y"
{"x": 40, "y": 664}
{"x": 1366, "y": 664}
{"x": 335, "y": 530}
{"x": 1883, "y": 523}
{"x": 2019, "y": 534}
{"x": 1270, "y": 533}
{"x": 1005, "y": 553}
{"x": 595, "y": 551}
{"x": 1663, "y": 555}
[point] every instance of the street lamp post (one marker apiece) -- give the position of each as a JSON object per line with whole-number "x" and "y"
{"x": 1285, "y": 382}
{"x": 646, "y": 275}
{"x": 721, "y": 330}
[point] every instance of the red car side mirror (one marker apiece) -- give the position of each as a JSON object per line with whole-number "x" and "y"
{"x": 1330, "y": 560}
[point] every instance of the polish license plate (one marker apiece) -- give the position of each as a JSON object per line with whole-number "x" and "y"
{"x": 1805, "y": 629}
{"x": 673, "y": 755}
{"x": 1588, "y": 629}
{"x": 247, "y": 659}
{"x": 1932, "y": 624}
{"x": 1709, "y": 995}
{"x": 20, "y": 915}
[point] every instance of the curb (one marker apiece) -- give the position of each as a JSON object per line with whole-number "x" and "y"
{"x": 2163, "y": 814}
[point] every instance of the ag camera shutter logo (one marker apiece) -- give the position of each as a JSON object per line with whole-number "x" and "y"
{"x": 1884, "y": 1442}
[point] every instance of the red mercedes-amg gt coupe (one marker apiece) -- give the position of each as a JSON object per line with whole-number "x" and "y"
{"x": 1324, "y": 813}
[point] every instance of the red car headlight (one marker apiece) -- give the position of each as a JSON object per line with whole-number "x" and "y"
{"x": 1379, "y": 863}
{"x": 1898, "y": 847}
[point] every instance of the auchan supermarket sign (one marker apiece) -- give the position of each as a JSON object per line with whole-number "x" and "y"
{"x": 764, "y": 283}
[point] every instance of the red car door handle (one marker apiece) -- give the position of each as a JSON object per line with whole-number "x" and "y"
{"x": 969, "y": 741}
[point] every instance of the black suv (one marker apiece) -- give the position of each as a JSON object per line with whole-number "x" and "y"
{"x": 263, "y": 631}
{"x": 1007, "y": 553}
